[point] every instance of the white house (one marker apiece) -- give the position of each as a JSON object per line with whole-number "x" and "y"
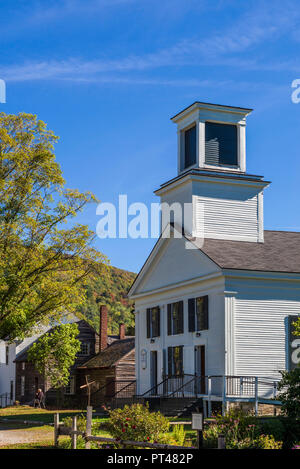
{"x": 7, "y": 372}
{"x": 214, "y": 316}
{"x": 8, "y": 354}
{"x": 9, "y": 351}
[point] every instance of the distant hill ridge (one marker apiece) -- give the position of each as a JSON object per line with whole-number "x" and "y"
{"x": 109, "y": 288}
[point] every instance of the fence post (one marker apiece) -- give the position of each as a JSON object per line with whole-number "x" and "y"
{"x": 256, "y": 396}
{"x": 56, "y": 429}
{"x": 221, "y": 442}
{"x": 74, "y": 435}
{"x": 88, "y": 432}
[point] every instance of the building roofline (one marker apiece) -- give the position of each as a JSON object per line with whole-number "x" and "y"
{"x": 215, "y": 174}
{"x": 203, "y": 105}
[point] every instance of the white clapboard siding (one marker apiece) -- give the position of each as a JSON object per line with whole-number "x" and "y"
{"x": 260, "y": 336}
{"x": 228, "y": 218}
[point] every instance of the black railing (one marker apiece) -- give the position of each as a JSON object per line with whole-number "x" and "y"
{"x": 176, "y": 385}
{"x": 126, "y": 391}
{"x": 188, "y": 385}
{"x": 113, "y": 388}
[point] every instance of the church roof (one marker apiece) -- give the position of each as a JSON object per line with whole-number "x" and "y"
{"x": 280, "y": 252}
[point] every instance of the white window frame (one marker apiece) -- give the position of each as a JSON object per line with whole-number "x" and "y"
{"x": 83, "y": 353}
{"x": 71, "y": 387}
{"x": 22, "y": 385}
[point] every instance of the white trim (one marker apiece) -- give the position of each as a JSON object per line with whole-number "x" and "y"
{"x": 260, "y": 208}
{"x": 174, "y": 286}
{"x": 262, "y": 275}
{"x": 216, "y": 179}
{"x": 152, "y": 257}
{"x": 230, "y": 333}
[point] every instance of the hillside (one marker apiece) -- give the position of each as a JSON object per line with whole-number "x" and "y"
{"x": 109, "y": 288}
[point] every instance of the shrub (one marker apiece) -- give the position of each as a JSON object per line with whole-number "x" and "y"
{"x": 210, "y": 436}
{"x": 237, "y": 426}
{"x": 137, "y": 423}
{"x": 81, "y": 422}
{"x": 290, "y": 395}
{"x": 262, "y": 442}
{"x": 179, "y": 434}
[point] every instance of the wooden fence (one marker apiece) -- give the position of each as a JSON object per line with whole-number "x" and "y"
{"x": 73, "y": 433}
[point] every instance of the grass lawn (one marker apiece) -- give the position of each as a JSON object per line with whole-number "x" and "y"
{"x": 24, "y": 412}
{"x": 37, "y": 436}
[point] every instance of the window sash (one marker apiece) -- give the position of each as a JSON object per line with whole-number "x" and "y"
{"x": 175, "y": 318}
{"x": 84, "y": 349}
{"x": 153, "y": 322}
{"x": 198, "y": 313}
{"x": 70, "y": 388}
{"x": 22, "y": 385}
{"x": 175, "y": 359}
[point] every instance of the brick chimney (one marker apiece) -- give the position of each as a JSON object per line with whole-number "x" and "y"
{"x": 103, "y": 328}
{"x": 122, "y": 331}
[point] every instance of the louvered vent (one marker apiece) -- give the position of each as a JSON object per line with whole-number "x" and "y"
{"x": 220, "y": 144}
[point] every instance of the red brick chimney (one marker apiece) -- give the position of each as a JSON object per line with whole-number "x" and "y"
{"x": 122, "y": 331}
{"x": 103, "y": 328}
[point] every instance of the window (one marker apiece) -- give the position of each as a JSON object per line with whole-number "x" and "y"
{"x": 221, "y": 144}
{"x": 7, "y": 354}
{"x": 23, "y": 366}
{"x": 70, "y": 388}
{"x": 153, "y": 322}
{"x": 175, "y": 361}
{"x": 84, "y": 349}
{"x": 198, "y": 313}
{"x": 22, "y": 385}
{"x": 175, "y": 318}
{"x": 190, "y": 147}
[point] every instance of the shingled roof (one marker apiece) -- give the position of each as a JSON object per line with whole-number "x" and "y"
{"x": 280, "y": 252}
{"x": 111, "y": 355}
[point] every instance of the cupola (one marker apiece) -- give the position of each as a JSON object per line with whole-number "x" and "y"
{"x": 212, "y": 136}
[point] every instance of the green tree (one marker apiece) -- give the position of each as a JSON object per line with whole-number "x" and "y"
{"x": 42, "y": 261}
{"x": 54, "y": 354}
{"x": 290, "y": 386}
{"x": 296, "y": 325}
{"x": 290, "y": 395}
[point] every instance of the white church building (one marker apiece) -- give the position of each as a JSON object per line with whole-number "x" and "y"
{"x": 214, "y": 316}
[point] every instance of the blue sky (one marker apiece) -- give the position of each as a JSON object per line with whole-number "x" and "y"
{"x": 106, "y": 75}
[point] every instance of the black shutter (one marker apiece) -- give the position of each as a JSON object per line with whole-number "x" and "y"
{"x": 169, "y": 319}
{"x": 181, "y": 360}
{"x": 192, "y": 316}
{"x": 180, "y": 321}
{"x": 205, "y": 312}
{"x": 148, "y": 322}
{"x": 170, "y": 360}
{"x": 158, "y": 322}
{"x": 220, "y": 144}
{"x": 165, "y": 371}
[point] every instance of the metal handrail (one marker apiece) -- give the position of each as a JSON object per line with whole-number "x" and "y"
{"x": 103, "y": 387}
{"x": 247, "y": 384}
{"x": 185, "y": 384}
{"x": 122, "y": 389}
{"x": 155, "y": 387}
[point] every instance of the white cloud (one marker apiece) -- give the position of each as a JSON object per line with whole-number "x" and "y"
{"x": 227, "y": 48}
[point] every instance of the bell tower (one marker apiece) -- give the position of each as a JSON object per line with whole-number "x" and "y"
{"x": 212, "y": 178}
